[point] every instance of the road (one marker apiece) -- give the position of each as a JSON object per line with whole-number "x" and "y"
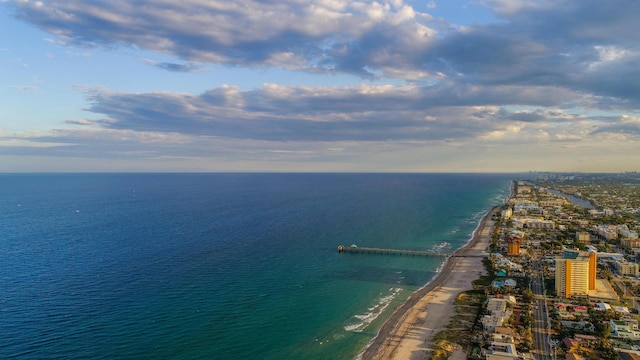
{"x": 542, "y": 325}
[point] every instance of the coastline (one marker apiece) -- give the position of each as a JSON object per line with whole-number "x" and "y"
{"x": 408, "y": 332}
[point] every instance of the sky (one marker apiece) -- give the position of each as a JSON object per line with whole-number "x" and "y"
{"x": 319, "y": 86}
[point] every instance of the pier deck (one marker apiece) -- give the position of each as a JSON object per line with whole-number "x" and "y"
{"x": 383, "y": 251}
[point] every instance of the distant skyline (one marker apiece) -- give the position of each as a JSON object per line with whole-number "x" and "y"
{"x": 328, "y": 85}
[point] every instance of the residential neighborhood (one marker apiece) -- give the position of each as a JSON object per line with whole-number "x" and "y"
{"x": 563, "y": 280}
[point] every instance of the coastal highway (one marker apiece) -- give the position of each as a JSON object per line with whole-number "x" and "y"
{"x": 542, "y": 325}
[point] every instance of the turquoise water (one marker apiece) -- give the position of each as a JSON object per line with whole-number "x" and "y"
{"x": 225, "y": 266}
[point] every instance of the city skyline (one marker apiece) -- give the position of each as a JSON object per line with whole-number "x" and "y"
{"x": 388, "y": 86}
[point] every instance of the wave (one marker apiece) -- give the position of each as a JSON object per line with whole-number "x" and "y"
{"x": 443, "y": 246}
{"x": 374, "y": 311}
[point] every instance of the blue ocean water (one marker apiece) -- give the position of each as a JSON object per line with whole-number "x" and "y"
{"x": 219, "y": 266}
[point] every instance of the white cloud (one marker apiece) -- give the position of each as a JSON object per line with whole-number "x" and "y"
{"x": 29, "y": 88}
{"x": 545, "y": 77}
{"x": 289, "y": 34}
{"x": 607, "y": 54}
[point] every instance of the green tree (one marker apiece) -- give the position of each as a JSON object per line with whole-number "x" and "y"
{"x": 527, "y": 295}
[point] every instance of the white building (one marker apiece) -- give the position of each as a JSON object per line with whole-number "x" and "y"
{"x": 526, "y": 207}
{"x": 502, "y": 351}
{"x": 625, "y": 328}
{"x": 497, "y": 314}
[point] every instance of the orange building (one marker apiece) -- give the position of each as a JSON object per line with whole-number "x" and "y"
{"x": 592, "y": 270}
{"x": 513, "y": 243}
{"x": 576, "y": 273}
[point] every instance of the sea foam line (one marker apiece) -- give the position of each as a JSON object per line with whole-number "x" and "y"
{"x": 374, "y": 311}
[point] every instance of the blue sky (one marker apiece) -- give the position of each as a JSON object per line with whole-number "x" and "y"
{"x": 329, "y": 85}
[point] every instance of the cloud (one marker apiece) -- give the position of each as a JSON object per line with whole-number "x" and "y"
{"x": 546, "y": 74}
{"x": 304, "y": 113}
{"x": 625, "y": 125}
{"x": 175, "y": 67}
{"x": 573, "y": 44}
{"x": 29, "y": 88}
{"x": 179, "y": 67}
{"x": 321, "y": 35}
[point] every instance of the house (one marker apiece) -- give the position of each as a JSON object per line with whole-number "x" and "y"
{"x": 570, "y": 344}
{"x": 586, "y": 340}
{"x": 578, "y": 325}
{"x": 622, "y": 309}
{"x": 602, "y": 306}
{"x": 579, "y": 309}
{"x": 563, "y": 311}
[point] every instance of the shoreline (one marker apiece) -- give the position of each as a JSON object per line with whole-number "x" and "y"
{"x": 407, "y": 333}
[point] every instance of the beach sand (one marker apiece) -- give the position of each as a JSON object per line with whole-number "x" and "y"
{"x": 408, "y": 333}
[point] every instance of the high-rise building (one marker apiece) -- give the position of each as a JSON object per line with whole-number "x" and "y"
{"x": 513, "y": 243}
{"x": 576, "y": 273}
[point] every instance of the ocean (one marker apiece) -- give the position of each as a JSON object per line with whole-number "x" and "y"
{"x": 220, "y": 266}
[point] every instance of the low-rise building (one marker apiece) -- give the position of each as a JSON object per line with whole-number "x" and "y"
{"x": 526, "y": 207}
{"x": 625, "y": 328}
{"x": 533, "y": 223}
{"x": 630, "y": 244}
{"x": 582, "y": 223}
{"x": 578, "y": 325}
{"x": 552, "y": 202}
{"x": 583, "y": 237}
{"x": 625, "y": 233}
{"x": 497, "y": 313}
{"x": 602, "y": 306}
{"x": 627, "y": 268}
{"x": 502, "y": 351}
{"x": 607, "y": 232}
{"x": 503, "y": 334}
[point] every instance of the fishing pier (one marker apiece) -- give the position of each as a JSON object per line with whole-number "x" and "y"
{"x": 383, "y": 251}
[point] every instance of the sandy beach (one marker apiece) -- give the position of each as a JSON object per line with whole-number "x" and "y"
{"x": 408, "y": 333}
